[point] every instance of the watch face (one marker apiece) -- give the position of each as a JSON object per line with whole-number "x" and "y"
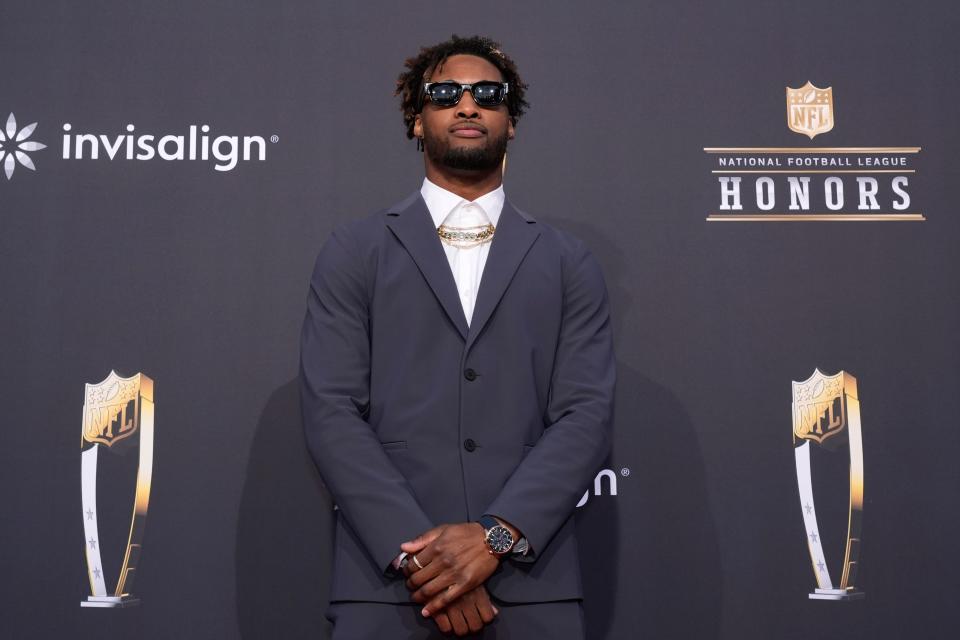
{"x": 499, "y": 539}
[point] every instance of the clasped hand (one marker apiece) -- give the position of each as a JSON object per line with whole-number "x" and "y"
{"x": 456, "y": 562}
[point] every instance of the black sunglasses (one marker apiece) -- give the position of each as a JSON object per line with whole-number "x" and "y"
{"x": 447, "y": 94}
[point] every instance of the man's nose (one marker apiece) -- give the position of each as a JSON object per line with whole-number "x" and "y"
{"x": 467, "y": 108}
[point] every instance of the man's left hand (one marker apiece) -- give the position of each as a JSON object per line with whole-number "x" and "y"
{"x": 455, "y": 560}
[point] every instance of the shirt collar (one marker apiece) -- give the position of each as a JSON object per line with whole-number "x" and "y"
{"x": 441, "y": 202}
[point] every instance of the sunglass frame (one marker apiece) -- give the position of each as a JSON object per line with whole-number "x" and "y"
{"x": 464, "y": 87}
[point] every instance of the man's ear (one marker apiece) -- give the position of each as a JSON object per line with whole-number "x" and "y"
{"x": 417, "y": 126}
{"x": 511, "y": 131}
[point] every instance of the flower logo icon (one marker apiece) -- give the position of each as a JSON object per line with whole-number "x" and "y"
{"x": 14, "y": 145}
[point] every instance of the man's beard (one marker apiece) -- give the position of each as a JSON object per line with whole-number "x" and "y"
{"x": 485, "y": 158}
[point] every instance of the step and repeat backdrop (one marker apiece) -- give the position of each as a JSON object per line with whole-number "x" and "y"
{"x": 771, "y": 189}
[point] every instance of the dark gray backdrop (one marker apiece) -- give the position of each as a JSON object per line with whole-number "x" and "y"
{"x": 198, "y": 278}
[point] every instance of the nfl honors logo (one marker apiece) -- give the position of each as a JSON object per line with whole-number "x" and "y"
{"x": 810, "y": 110}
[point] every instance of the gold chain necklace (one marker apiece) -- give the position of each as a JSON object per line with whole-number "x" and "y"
{"x": 465, "y": 237}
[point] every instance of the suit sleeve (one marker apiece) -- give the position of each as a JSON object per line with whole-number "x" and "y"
{"x": 374, "y": 497}
{"x": 544, "y": 490}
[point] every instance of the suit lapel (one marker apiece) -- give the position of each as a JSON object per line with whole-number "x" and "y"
{"x": 411, "y": 223}
{"x": 516, "y": 233}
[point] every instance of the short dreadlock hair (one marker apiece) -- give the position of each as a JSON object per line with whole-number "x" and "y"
{"x": 410, "y": 82}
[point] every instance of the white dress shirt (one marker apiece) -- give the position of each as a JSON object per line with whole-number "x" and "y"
{"x": 466, "y": 262}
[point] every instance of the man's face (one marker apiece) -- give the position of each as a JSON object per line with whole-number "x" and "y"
{"x": 464, "y": 137}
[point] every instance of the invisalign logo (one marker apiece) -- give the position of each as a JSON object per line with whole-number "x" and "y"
{"x": 226, "y": 151}
{"x": 14, "y": 146}
{"x": 196, "y": 144}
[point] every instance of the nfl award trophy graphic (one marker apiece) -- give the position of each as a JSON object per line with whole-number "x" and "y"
{"x": 118, "y": 415}
{"x": 826, "y": 421}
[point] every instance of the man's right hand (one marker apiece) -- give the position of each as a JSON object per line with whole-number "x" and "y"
{"x": 467, "y": 614}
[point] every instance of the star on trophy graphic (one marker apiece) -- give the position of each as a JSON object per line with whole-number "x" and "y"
{"x": 826, "y": 422}
{"x": 118, "y": 416}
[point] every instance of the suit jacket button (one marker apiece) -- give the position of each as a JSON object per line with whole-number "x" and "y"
{"x": 470, "y": 374}
{"x": 469, "y": 444}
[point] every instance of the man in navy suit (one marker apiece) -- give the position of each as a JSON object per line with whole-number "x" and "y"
{"x": 457, "y": 380}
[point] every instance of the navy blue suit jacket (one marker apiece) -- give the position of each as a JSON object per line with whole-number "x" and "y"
{"x": 394, "y": 384}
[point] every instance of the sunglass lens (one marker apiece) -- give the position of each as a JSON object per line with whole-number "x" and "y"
{"x": 445, "y": 93}
{"x": 488, "y": 94}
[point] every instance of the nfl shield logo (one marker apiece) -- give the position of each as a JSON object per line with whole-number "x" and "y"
{"x": 810, "y": 110}
{"x": 111, "y": 408}
{"x": 819, "y": 407}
